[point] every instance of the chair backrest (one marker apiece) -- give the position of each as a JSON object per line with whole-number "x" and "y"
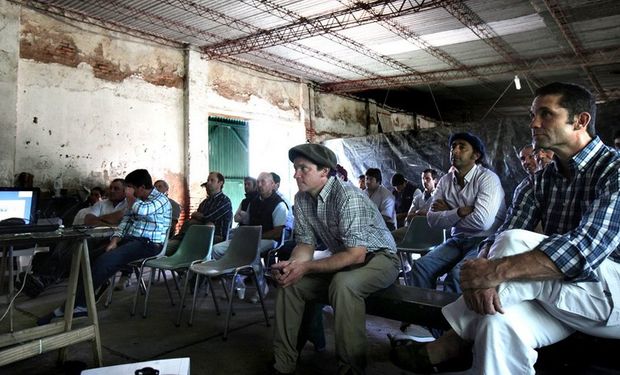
{"x": 421, "y": 236}
{"x": 165, "y": 245}
{"x": 243, "y": 248}
{"x": 196, "y": 243}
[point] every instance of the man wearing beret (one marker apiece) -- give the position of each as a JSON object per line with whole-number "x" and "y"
{"x": 363, "y": 260}
{"x": 470, "y": 201}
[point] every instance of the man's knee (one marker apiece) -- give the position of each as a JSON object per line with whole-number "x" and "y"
{"x": 514, "y": 241}
{"x": 219, "y": 249}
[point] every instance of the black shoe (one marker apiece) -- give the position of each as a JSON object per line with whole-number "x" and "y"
{"x": 411, "y": 356}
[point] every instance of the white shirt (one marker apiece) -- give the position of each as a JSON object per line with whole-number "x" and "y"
{"x": 384, "y": 200}
{"x": 106, "y": 206}
{"x": 483, "y": 190}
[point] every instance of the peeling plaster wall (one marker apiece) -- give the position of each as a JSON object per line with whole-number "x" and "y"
{"x": 9, "y": 55}
{"x": 340, "y": 117}
{"x": 94, "y": 105}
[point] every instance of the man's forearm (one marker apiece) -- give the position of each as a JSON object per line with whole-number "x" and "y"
{"x": 338, "y": 261}
{"x": 273, "y": 234}
{"x": 532, "y": 265}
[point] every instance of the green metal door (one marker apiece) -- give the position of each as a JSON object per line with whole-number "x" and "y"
{"x": 228, "y": 154}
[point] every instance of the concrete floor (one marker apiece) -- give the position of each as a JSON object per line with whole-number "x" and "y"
{"x": 248, "y": 349}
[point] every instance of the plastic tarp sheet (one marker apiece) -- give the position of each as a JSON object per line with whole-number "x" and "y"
{"x": 410, "y": 152}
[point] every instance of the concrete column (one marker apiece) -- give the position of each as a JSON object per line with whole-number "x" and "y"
{"x": 196, "y": 126}
{"x": 9, "y": 58}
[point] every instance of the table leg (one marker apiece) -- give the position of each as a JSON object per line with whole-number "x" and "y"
{"x": 87, "y": 280}
{"x": 71, "y": 292}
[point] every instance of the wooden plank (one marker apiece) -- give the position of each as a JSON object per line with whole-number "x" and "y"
{"x": 46, "y": 344}
{"x": 31, "y": 334}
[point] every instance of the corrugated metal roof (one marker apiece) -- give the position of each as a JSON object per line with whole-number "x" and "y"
{"x": 431, "y": 41}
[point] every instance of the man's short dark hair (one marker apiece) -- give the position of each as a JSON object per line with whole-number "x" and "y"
{"x": 617, "y": 134}
{"x": 139, "y": 177}
{"x": 121, "y": 180}
{"x": 97, "y": 188}
{"x": 576, "y": 99}
{"x": 398, "y": 179}
{"x": 251, "y": 179}
{"x": 220, "y": 177}
{"x": 361, "y": 176}
{"x": 163, "y": 182}
{"x": 433, "y": 173}
{"x": 374, "y": 172}
{"x": 276, "y": 177}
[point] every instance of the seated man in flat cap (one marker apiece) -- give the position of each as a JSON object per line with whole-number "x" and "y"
{"x": 469, "y": 200}
{"x": 363, "y": 259}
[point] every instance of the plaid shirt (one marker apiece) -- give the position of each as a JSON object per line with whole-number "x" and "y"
{"x": 342, "y": 217}
{"x": 580, "y": 215}
{"x": 150, "y": 218}
{"x": 217, "y": 210}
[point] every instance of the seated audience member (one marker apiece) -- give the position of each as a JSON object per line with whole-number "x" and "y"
{"x": 363, "y": 260}
{"x": 617, "y": 140}
{"x": 543, "y": 157}
{"x": 163, "y": 187}
{"x": 249, "y": 185}
{"x": 361, "y": 182}
{"x": 269, "y": 211}
{"x": 404, "y": 192}
{"x": 470, "y": 201}
{"x": 216, "y": 210}
{"x": 381, "y": 197}
{"x": 342, "y": 173}
{"x": 94, "y": 196}
{"x": 140, "y": 234}
{"x": 528, "y": 290}
{"x": 289, "y": 215}
{"x": 528, "y": 160}
{"x": 421, "y": 203}
{"x": 49, "y": 268}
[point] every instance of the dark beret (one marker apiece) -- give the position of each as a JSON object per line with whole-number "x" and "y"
{"x": 475, "y": 142}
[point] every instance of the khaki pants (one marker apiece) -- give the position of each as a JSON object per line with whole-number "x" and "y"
{"x": 345, "y": 290}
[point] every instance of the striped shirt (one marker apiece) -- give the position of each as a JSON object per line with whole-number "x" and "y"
{"x": 150, "y": 218}
{"x": 483, "y": 191}
{"x": 581, "y": 215}
{"x": 341, "y": 217}
{"x": 217, "y": 210}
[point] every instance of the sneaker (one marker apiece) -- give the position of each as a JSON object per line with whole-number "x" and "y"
{"x": 123, "y": 282}
{"x": 256, "y": 298}
{"x": 78, "y": 312}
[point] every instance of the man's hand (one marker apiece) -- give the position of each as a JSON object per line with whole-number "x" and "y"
{"x": 483, "y": 301}
{"x": 197, "y": 215}
{"x": 288, "y": 272}
{"x": 464, "y": 211}
{"x": 480, "y": 273}
{"x": 130, "y": 197}
{"x": 421, "y": 212}
{"x": 440, "y": 205}
{"x": 113, "y": 244}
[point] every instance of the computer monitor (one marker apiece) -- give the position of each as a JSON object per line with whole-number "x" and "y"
{"x": 21, "y": 203}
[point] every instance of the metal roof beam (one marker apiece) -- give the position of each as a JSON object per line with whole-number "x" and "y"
{"x": 542, "y": 63}
{"x": 322, "y": 24}
{"x": 557, "y": 13}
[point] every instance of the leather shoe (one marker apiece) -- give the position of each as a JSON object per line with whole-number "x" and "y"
{"x": 410, "y": 355}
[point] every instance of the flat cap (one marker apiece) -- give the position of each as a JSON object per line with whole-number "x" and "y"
{"x": 318, "y": 154}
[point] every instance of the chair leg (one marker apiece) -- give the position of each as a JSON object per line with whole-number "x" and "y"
{"x": 226, "y": 293}
{"x": 260, "y": 297}
{"x": 139, "y": 273}
{"x": 191, "y": 314}
{"x": 163, "y": 274}
{"x": 217, "y": 307}
{"x": 230, "y": 302}
{"x": 108, "y": 300}
{"x": 176, "y": 282}
{"x": 148, "y": 292}
{"x": 182, "y": 304}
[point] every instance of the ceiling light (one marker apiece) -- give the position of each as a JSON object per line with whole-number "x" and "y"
{"x": 517, "y": 83}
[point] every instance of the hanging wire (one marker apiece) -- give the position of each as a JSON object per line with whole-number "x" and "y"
{"x": 529, "y": 85}
{"x": 435, "y": 102}
{"x": 498, "y": 99}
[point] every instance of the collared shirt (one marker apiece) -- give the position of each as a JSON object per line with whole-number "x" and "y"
{"x": 421, "y": 202}
{"x": 483, "y": 191}
{"x": 341, "y": 217}
{"x": 384, "y": 201}
{"x": 217, "y": 209}
{"x": 581, "y": 214}
{"x": 106, "y": 206}
{"x": 147, "y": 219}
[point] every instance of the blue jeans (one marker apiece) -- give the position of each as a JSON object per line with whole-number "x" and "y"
{"x": 445, "y": 258}
{"x": 108, "y": 263}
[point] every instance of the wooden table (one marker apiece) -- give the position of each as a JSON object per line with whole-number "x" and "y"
{"x": 15, "y": 346}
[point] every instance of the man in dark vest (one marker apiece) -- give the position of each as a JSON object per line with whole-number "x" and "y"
{"x": 267, "y": 210}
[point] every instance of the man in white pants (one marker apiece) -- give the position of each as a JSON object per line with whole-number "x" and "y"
{"x": 528, "y": 290}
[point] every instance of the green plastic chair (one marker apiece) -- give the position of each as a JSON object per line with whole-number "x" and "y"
{"x": 195, "y": 245}
{"x": 241, "y": 254}
{"x": 419, "y": 239}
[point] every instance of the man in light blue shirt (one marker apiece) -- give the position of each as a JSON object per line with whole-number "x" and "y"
{"x": 469, "y": 201}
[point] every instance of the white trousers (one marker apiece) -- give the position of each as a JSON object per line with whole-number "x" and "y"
{"x": 536, "y": 313}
